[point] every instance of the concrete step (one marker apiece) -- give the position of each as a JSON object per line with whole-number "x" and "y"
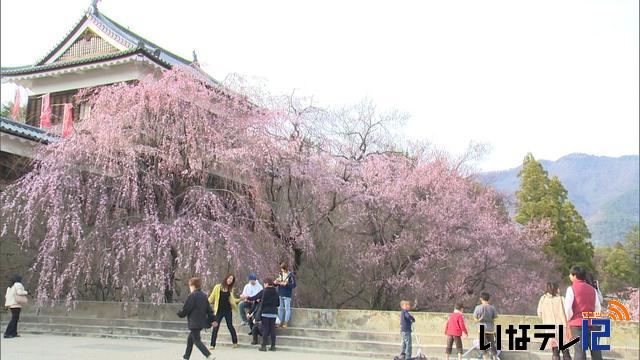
{"x": 148, "y": 326}
{"x": 224, "y": 339}
{"x": 180, "y": 335}
{"x": 431, "y": 352}
{"x": 335, "y": 334}
{"x": 348, "y": 342}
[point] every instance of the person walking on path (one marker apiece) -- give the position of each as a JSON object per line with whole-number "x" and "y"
{"x": 15, "y": 298}
{"x": 269, "y": 303}
{"x": 406, "y": 320}
{"x": 224, "y": 303}
{"x": 454, "y": 329}
{"x": 581, "y": 298}
{"x": 551, "y": 311}
{"x": 485, "y": 315}
{"x": 199, "y": 316}
{"x": 286, "y": 282}
{"x": 250, "y": 289}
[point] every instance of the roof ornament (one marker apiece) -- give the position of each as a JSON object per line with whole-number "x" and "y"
{"x": 141, "y": 44}
{"x": 156, "y": 52}
{"x": 93, "y": 7}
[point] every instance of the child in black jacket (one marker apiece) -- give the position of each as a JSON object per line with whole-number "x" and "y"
{"x": 269, "y": 302}
{"x": 199, "y": 316}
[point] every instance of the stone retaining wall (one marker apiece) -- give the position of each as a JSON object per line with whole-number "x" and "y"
{"x": 624, "y": 333}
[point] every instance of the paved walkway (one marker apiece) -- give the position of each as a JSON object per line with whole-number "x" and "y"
{"x": 32, "y": 347}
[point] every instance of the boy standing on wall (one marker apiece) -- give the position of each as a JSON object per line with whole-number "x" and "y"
{"x": 406, "y": 319}
{"x": 485, "y": 315}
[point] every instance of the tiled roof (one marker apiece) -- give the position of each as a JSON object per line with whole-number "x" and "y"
{"x": 30, "y": 69}
{"x": 26, "y": 131}
{"x": 133, "y": 41}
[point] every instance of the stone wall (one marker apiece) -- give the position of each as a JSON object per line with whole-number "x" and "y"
{"x": 624, "y": 333}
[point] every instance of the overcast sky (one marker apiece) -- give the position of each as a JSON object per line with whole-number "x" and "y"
{"x": 547, "y": 77}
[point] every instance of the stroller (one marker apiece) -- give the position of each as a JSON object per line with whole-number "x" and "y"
{"x": 476, "y": 353}
{"x": 419, "y": 354}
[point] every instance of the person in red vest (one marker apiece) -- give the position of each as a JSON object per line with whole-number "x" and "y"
{"x": 581, "y": 298}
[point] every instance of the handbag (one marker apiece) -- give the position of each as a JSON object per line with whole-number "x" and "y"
{"x": 21, "y": 299}
{"x": 211, "y": 317}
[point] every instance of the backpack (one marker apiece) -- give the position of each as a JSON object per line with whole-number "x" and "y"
{"x": 293, "y": 281}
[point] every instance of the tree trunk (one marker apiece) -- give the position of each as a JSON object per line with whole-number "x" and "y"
{"x": 168, "y": 289}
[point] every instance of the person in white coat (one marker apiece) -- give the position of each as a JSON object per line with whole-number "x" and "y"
{"x": 551, "y": 312}
{"x": 14, "y": 299}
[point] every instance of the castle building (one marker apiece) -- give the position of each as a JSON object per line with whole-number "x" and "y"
{"x": 96, "y": 51}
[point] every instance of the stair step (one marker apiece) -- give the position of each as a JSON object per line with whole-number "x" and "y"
{"x": 221, "y": 342}
{"x": 335, "y": 334}
{"x": 343, "y": 342}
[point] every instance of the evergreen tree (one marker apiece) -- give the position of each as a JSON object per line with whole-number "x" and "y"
{"x": 619, "y": 264}
{"x": 540, "y": 197}
{"x": 632, "y": 247}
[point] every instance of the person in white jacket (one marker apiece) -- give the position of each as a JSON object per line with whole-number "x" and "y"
{"x": 14, "y": 299}
{"x": 251, "y": 289}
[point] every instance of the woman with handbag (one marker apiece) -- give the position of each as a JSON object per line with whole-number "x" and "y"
{"x": 15, "y": 298}
{"x": 551, "y": 311}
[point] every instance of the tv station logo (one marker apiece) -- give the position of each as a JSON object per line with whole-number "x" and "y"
{"x": 595, "y": 326}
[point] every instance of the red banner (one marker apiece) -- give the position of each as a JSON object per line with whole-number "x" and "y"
{"x": 16, "y": 105}
{"x": 45, "y": 112}
{"x": 67, "y": 120}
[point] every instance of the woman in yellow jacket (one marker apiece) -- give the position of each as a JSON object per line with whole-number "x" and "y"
{"x": 224, "y": 303}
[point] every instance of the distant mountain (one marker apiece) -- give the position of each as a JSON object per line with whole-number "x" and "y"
{"x": 605, "y": 190}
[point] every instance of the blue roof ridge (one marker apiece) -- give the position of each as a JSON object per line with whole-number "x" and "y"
{"x": 26, "y": 131}
{"x": 62, "y": 64}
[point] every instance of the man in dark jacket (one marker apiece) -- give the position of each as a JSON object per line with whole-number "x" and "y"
{"x": 199, "y": 316}
{"x": 269, "y": 302}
